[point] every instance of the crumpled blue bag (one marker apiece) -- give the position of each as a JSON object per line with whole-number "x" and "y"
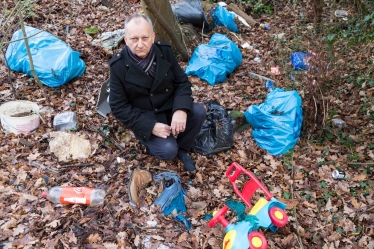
{"x": 172, "y": 198}
{"x": 55, "y": 63}
{"x": 214, "y": 61}
{"x": 298, "y": 60}
{"x": 276, "y": 122}
{"x": 222, "y": 17}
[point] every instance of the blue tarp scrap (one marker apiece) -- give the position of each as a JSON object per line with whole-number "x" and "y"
{"x": 214, "y": 61}
{"x": 55, "y": 63}
{"x": 171, "y": 199}
{"x": 276, "y": 122}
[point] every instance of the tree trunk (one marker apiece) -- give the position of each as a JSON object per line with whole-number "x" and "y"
{"x": 165, "y": 25}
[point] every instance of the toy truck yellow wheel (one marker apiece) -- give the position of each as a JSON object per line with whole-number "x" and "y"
{"x": 278, "y": 217}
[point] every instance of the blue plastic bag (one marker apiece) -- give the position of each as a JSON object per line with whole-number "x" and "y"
{"x": 299, "y": 60}
{"x": 214, "y": 61}
{"x": 276, "y": 122}
{"x": 222, "y": 17}
{"x": 171, "y": 199}
{"x": 55, "y": 63}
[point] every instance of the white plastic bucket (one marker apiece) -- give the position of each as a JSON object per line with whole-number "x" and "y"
{"x": 23, "y": 124}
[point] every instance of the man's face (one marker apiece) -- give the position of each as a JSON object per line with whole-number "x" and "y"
{"x": 139, "y": 37}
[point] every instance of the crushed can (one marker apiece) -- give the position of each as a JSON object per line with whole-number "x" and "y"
{"x": 338, "y": 174}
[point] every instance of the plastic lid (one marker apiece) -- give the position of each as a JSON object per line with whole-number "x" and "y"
{"x": 44, "y": 194}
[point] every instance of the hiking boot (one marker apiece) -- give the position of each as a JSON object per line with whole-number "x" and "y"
{"x": 139, "y": 179}
{"x": 188, "y": 164}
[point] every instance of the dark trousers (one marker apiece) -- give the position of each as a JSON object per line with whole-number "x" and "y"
{"x": 167, "y": 148}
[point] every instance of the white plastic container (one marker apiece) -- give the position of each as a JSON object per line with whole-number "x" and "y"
{"x": 19, "y": 116}
{"x": 75, "y": 195}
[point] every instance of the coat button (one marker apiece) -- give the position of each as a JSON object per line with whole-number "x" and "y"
{"x": 159, "y": 42}
{"x": 156, "y": 109}
{"x": 117, "y": 54}
{"x": 166, "y": 74}
{"x": 167, "y": 90}
{"x": 151, "y": 94}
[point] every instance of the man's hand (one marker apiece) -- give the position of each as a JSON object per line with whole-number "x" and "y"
{"x": 178, "y": 122}
{"x": 161, "y": 130}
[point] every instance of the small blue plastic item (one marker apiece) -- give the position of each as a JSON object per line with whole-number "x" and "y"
{"x": 171, "y": 199}
{"x": 222, "y": 17}
{"x": 276, "y": 122}
{"x": 55, "y": 63}
{"x": 214, "y": 61}
{"x": 298, "y": 60}
{"x": 269, "y": 85}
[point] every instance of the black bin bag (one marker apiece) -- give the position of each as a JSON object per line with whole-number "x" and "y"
{"x": 217, "y": 132}
{"x": 191, "y": 11}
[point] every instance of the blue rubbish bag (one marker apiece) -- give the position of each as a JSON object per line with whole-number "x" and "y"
{"x": 299, "y": 60}
{"x": 55, "y": 63}
{"x": 171, "y": 199}
{"x": 212, "y": 62}
{"x": 222, "y": 17}
{"x": 276, "y": 122}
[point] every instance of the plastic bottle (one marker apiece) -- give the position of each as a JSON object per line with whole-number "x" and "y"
{"x": 264, "y": 26}
{"x": 269, "y": 85}
{"x": 75, "y": 195}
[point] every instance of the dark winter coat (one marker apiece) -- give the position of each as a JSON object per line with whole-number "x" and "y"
{"x": 138, "y": 100}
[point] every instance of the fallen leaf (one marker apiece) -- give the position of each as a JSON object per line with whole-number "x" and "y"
{"x": 53, "y": 224}
{"x": 93, "y": 238}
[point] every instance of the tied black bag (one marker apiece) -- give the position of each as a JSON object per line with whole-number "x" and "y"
{"x": 217, "y": 132}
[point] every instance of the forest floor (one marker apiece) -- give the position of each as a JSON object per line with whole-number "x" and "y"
{"x": 323, "y": 212}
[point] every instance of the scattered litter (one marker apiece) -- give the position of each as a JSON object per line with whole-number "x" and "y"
{"x": 269, "y": 85}
{"x": 257, "y": 59}
{"x": 300, "y": 60}
{"x": 275, "y": 70}
{"x": 264, "y": 26}
{"x": 341, "y": 14}
{"x": 65, "y": 121}
{"x": 259, "y": 76}
{"x": 339, "y": 123}
{"x": 55, "y": 63}
{"x": 67, "y": 146}
{"x": 214, "y": 61}
{"x": 338, "y": 174}
{"x": 279, "y": 36}
{"x": 103, "y": 107}
{"x": 246, "y": 45}
{"x": 19, "y": 116}
{"x": 109, "y": 40}
{"x": 276, "y": 122}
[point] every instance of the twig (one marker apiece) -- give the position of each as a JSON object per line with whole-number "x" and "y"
{"x": 23, "y": 38}
{"x": 353, "y": 163}
{"x": 77, "y": 165}
{"x": 154, "y": 167}
{"x": 8, "y": 77}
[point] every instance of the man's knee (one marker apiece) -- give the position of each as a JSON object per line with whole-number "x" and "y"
{"x": 168, "y": 151}
{"x": 199, "y": 111}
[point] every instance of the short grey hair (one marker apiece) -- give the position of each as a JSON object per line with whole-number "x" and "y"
{"x": 135, "y": 16}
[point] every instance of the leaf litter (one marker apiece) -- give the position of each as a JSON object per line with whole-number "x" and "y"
{"x": 323, "y": 212}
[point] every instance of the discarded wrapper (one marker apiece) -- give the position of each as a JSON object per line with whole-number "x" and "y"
{"x": 338, "y": 174}
{"x": 275, "y": 70}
